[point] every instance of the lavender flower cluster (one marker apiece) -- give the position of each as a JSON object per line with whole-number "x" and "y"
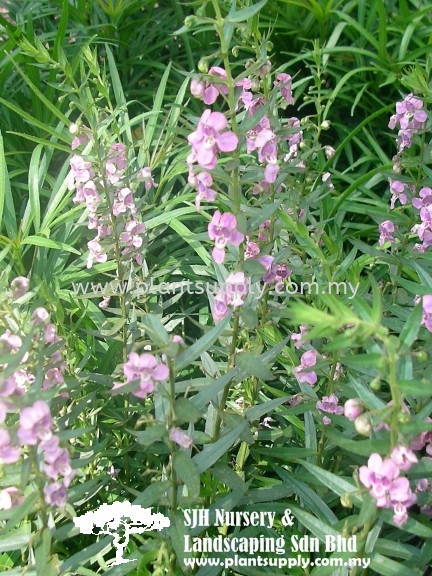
{"x": 17, "y": 388}
{"x": 412, "y": 119}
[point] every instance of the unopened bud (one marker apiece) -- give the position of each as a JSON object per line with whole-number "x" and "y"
{"x": 346, "y": 500}
{"x": 325, "y": 125}
{"x": 74, "y": 128}
{"x": 421, "y": 356}
{"x": 353, "y": 408}
{"x": 203, "y": 65}
{"x": 362, "y": 425}
{"x": 190, "y": 21}
{"x": 375, "y": 384}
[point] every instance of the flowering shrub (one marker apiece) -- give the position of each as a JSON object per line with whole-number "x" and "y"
{"x": 251, "y": 395}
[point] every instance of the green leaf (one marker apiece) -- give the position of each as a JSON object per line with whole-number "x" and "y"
{"x": 256, "y": 412}
{"x": 411, "y": 329}
{"x": 188, "y": 473}
{"x": 185, "y": 410}
{"x": 33, "y": 178}
{"x": 7, "y": 209}
{"x": 388, "y": 567}
{"x": 48, "y": 243}
{"x": 153, "y": 433}
{"x": 253, "y": 366}
{"x": 246, "y": 13}
{"x": 337, "y": 484}
{"x": 201, "y": 345}
{"x": 156, "y": 330}
{"x": 213, "y": 452}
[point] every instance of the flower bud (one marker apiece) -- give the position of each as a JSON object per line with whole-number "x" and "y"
{"x": 73, "y": 129}
{"x": 325, "y": 125}
{"x": 421, "y": 356}
{"x": 203, "y": 66}
{"x": 362, "y": 425}
{"x": 346, "y": 500}
{"x": 189, "y": 21}
{"x": 353, "y": 408}
{"x": 375, "y": 384}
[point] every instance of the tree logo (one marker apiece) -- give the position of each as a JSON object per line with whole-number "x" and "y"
{"x": 120, "y": 520}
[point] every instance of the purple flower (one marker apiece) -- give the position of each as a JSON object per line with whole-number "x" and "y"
{"x": 427, "y": 312}
{"x": 220, "y": 306}
{"x": 19, "y": 286}
{"x": 181, "y": 438}
{"x": 12, "y": 342}
{"x": 411, "y": 118}
{"x": 397, "y": 189}
{"x": 146, "y": 370}
{"x": 425, "y": 198}
{"x": 95, "y": 253}
{"x": 378, "y": 476}
{"x": 208, "y": 139}
{"x": 299, "y": 338}
{"x": 236, "y": 288}
{"x": 10, "y": 497}
{"x": 403, "y": 457}
{"x": 35, "y": 423}
{"x": 329, "y": 404}
{"x": 386, "y": 230}
{"x": 203, "y": 182}
{"x": 207, "y": 91}
{"x": 252, "y": 249}
{"x": 307, "y": 360}
{"x": 8, "y": 454}
{"x": 55, "y": 495}
{"x": 81, "y": 171}
{"x": 40, "y": 316}
{"x": 223, "y": 230}
{"x": 283, "y": 81}
{"x": 146, "y": 175}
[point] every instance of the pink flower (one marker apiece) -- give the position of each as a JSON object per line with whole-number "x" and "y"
{"x": 8, "y": 454}
{"x": 95, "y": 253}
{"x": 19, "y": 286}
{"x": 181, "y": 438}
{"x": 397, "y": 189}
{"x": 146, "y": 370}
{"x": 12, "y": 342}
{"x": 427, "y": 312}
{"x": 403, "y": 457}
{"x": 378, "y": 476}
{"x": 329, "y": 404}
{"x": 307, "y": 360}
{"x": 81, "y": 171}
{"x": 56, "y": 495}
{"x": 146, "y": 175}
{"x": 133, "y": 233}
{"x": 223, "y": 230}
{"x": 40, "y": 316}
{"x": 252, "y": 249}
{"x": 35, "y": 423}
{"x": 208, "y": 139}
{"x": 203, "y": 181}
{"x": 236, "y": 288}
{"x": 283, "y": 81}
{"x": 10, "y": 497}
{"x": 220, "y": 306}
{"x": 207, "y": 91}
{"x": 386, "y": 230}
{"x": 299, "y": 338}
